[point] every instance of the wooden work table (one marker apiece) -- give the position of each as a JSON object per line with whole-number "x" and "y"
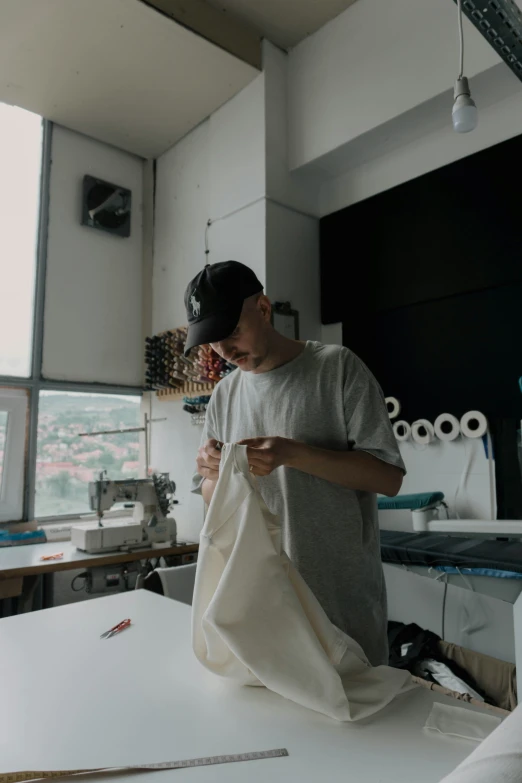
{"x": 26, "y": 560}
{"x": 18, "y": 562}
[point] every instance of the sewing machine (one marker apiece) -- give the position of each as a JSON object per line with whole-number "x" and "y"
{"x": 152, "y": 500}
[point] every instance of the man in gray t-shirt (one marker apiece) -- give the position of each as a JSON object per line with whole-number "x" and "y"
{"x": 319, "y": 439}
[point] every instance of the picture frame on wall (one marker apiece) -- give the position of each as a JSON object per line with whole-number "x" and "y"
{"x": 106, "y": 207}
{"x": 285, "y": 320}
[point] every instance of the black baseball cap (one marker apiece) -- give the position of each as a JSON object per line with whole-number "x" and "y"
{"x": 214, "y": 300}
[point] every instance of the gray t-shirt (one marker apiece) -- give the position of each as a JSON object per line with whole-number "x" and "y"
{"x": 325, "y": 397}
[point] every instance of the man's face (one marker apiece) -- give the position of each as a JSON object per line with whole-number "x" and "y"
{"x": 247, "y": 346}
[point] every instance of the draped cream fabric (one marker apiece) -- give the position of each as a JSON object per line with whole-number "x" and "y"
{"x": 256, "y": 622}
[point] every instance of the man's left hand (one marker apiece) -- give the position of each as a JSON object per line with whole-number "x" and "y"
{"x": 267, "y": 454}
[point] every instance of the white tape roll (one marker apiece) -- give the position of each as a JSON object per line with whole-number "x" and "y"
{"x": 394, "y": 407}
{"x": 402, "y": 430}
{"x": 422, "y": 431}
{"x": 447, "y": 427}
{"x": 474, "y": 424}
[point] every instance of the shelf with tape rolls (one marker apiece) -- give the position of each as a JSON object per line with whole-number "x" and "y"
{"x": 174, "y": 376}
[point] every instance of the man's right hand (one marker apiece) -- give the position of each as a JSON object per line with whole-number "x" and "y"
{"x": 209, "y": 457}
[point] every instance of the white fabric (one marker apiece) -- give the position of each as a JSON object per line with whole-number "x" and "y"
{"x": 256, "y": 622}
{"x": 460, "y": 722}
{"x": 496, "y": 760}
{"x": 445, "y": 677}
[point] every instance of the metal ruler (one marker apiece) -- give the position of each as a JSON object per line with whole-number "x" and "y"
{"x": 18, "y": 777}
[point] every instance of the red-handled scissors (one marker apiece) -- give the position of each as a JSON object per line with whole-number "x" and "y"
{"x": 117, "y": 628}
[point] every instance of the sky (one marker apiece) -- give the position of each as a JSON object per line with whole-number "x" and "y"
{"x": 20, "y": 166}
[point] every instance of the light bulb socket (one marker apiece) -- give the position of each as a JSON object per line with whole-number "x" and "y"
{"x": 464, "y": 112}
{"x": 461, "y": 88}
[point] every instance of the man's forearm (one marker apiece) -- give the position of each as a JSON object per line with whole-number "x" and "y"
{"x": 207, "y": 490}
{"x": 355, "y": 470}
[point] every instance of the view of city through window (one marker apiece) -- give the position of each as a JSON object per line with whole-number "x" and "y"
{"x": 66, "y": 462}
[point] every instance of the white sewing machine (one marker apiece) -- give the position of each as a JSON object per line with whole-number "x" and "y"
{"x": 152, "y": 499}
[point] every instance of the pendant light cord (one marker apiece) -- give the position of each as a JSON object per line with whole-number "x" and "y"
{"x": 461, "y": 40}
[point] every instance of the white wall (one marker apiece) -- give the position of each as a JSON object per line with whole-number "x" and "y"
{"x": 217, "y": 169}
{"x": 298, "y": 189}
{"x": 372, "y": 63}
{"x": 413, "y": 153}
{"x": 93, "y": 297}
{"x": 292, "y": 230}
{"x": 292, "y": 265}
{"x": 332, "y": 334}
{"x": 237, "y": 151}
{"x": 477, "y": 622}
{"x": 459, "y": 469}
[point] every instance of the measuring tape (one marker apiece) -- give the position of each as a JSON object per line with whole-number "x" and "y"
{"x": 18, "y": 777}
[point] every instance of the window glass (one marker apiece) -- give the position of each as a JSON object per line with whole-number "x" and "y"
{"x": 4, "y": 416}
{"x": 66, "y": 462}
{"x": 20, "y": 171}
{"x": 14, "y": 405}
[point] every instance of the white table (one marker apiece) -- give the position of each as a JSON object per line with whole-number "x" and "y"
{"x": 71, "y": 700}
{"x": 25, "y": 560}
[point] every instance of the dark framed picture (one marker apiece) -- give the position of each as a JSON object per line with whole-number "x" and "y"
{"x": 106, "y": 207}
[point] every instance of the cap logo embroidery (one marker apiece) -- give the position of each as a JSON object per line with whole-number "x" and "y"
{"x": 196, "y": 306}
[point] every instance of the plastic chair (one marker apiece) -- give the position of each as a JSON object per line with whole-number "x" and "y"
{"x": 176, "y": 583}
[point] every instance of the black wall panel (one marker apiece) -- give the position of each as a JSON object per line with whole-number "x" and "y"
{"x": 427, "y": 281}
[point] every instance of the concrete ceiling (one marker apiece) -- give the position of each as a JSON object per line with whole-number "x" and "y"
{"x": 284, "y": 22}
{"x": 116, "y": 70}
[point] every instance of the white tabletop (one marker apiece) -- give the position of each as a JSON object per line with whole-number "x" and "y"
{"x": 26, "y": 559}
{"x": 70, "y": 700}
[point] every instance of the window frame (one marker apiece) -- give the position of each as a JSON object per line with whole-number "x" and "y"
{"x": 16, "y": 404}
{"x": 36, "y": 382}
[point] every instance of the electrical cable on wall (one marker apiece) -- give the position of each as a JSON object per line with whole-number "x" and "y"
{"x": 472, "y": 627}
{"x": 211, "y": 221}
{"x": 444, "y": 597}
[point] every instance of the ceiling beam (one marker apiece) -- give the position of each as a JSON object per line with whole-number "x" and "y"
{"x": 216, "y": 26}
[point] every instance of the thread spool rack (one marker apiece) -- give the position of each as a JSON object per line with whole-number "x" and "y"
{"x": 172, "y": 375}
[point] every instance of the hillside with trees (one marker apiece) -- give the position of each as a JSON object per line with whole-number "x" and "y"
{"x": 66, "y": 462}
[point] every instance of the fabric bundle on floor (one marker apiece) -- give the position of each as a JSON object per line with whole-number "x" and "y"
{"x": 468, "y": 674}
{"x": 256, "y": 622}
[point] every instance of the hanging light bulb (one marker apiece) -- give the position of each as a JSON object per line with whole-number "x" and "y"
{"x": 464, "y": 114}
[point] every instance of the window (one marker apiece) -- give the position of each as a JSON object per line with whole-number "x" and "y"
{"x": 13, "y": 421}
{"x": 44, "y": 463}
{"x": 67, "y": 461}
{"x": 4, "y": 416}
{"x": 20, "y": 166}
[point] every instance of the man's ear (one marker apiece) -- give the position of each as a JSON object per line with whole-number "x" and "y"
{"x": 265, "y": 307}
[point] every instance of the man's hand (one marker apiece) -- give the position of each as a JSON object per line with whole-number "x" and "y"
{"x": 267, "y": 454}
{"x": 356, "y": 470}
{"x": 209, "y": 457}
